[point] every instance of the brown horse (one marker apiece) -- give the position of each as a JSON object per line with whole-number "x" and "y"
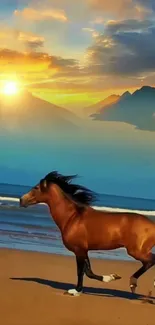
{"x": 84, "y": 229}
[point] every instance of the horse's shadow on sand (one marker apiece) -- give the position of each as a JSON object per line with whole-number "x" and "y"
{"x": 105, "y": 292}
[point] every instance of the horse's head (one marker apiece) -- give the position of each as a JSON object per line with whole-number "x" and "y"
{"x": 53, "y": 187}
{"x": 38, "y": 194}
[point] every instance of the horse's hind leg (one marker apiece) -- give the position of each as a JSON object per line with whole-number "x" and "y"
{"x": 147, "y": 264}
{"x": 92, "y": 275}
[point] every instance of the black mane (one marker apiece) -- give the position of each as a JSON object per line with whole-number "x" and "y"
{"x": 78, "y": 193}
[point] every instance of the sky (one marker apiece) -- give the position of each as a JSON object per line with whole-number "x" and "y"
{"x": 74, "y": 53}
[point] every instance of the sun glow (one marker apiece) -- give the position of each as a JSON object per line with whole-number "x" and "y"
{"x": 10, "y": 88}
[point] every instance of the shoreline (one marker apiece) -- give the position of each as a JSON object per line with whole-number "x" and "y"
{"x": 67, "y": 256}
{"x": 33, "y": 284}
{"x": 63, "y": 251}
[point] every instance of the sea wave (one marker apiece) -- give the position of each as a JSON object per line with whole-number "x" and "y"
{"x": 109, "y": 209}
{"x": 9, "y": 201}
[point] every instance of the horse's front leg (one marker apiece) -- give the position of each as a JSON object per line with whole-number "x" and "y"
{"x": 80, "y": 261}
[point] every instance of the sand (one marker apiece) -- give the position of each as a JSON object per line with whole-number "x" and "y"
{"x": 32, "y": 286}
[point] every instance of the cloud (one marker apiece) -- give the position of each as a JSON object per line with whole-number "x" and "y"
{"x": 31, "y": 41}
{"x": 41, "y": 14}
{"x": 29, "y": 37}
{"x": 133, "y": 25}
{"x": 111, "y": 6}
{"x": 126, "y": 48}
{"x": 65, "y": 86}
{"x": 123, "y": 8}
{"x": 35, "y": 66}
{"x": 87, "y": 29}
{"x": 23, "y": 61}
{"x": 93, "y": 32}
{"x": 119, "y": 7}
{"x": 34, "y": 45}
{"x": 147, "y": 4}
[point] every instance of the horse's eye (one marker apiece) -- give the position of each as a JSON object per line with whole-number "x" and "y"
{"x": 36, "y": 187}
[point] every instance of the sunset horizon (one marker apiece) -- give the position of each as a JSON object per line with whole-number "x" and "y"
{"x": 76, "y": 54}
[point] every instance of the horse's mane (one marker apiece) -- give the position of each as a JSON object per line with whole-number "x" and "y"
{"x": 78, "y": 193}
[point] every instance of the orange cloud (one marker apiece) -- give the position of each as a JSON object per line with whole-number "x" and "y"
{"x": 110, "y": 6}
{"x": 34, "y": 66}
{"x": 21, "y": 63}
{"x": 31, "y": 41}
{"x": 93, "y": 32}
{"x": 19, "y": 35}
{"x": 29, "y": 37}
{"x": 39, "y": 15}
{"x": 120, "y": 8}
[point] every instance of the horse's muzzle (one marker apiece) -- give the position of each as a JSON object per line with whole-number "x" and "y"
{"x": 22, "y": 203}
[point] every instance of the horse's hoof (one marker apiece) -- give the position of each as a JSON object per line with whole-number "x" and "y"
{"x": 111, "y": 277}
{"x": 133, "y": 287}
{"x": 116, "y": 277}
{"x": 133, "y": 284}
{"x": 73, "y": 292}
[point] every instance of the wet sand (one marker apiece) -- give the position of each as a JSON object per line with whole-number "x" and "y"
{"x": 32, "y": 289}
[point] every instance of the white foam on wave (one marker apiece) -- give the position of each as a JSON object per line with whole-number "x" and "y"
{"x": 11, "y": 199}
{"x": 102, "y": 208}
{"x": 144, "y": 212}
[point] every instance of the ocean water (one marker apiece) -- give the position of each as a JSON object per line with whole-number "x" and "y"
{"x": 33, "y": 228}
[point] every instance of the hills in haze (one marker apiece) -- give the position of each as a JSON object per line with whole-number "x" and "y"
{"x": 137, "y": 109}
{"x": 98, "y": 106}
{"x": 30, "y": 113}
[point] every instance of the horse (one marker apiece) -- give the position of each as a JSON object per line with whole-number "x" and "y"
{"x": 84, "y": 228}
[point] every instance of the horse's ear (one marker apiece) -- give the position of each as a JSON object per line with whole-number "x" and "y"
{"x": 43, "y": 184}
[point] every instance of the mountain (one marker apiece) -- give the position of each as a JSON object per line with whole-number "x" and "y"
{"x": 137, "y": 109}
{"x": 125, "y": 95}
{"x": 96, "y": 107}
{"x": 26, "y": 112}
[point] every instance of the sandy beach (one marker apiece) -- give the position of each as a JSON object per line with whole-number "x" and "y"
{"x": 33, "y": 284}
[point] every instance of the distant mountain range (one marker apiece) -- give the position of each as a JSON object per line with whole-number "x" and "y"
{"x": 98, "y": 106}
{"x": 137, "y": 109}
{"x": 29, "y": 113}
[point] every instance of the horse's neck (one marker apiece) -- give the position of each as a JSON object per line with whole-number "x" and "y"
{"x": 61, "y": 213}
{"x": 61, "y": 209}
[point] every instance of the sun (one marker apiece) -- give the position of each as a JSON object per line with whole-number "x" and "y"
{"x": 10, "y": 88}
